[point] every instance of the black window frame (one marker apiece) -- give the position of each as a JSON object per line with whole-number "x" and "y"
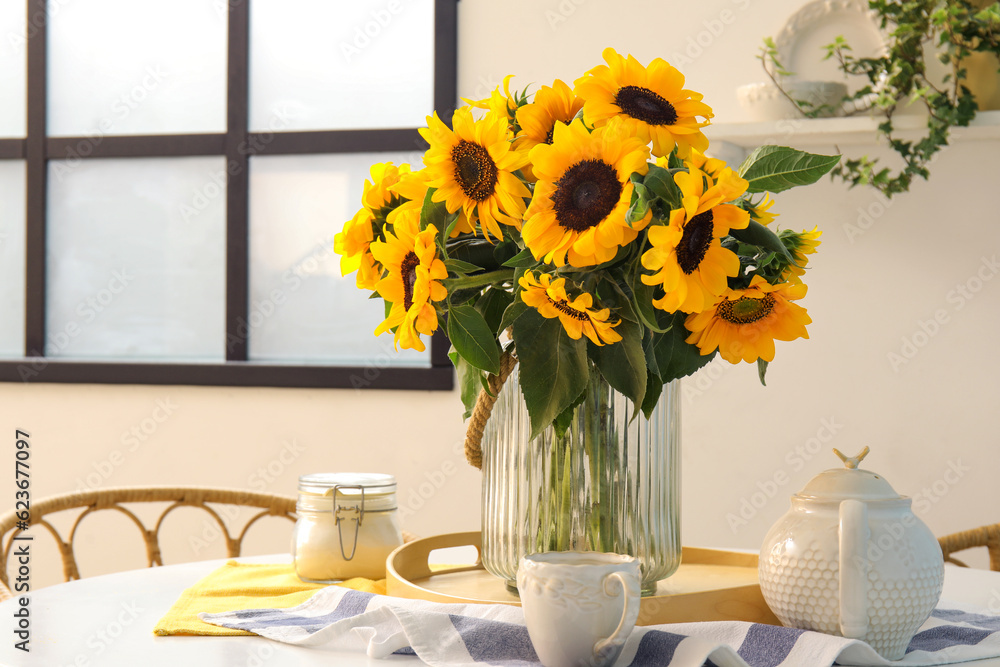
{"x": 236, "y": 145}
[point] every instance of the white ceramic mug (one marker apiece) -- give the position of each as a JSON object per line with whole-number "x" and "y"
{"x": 579, "y": 606}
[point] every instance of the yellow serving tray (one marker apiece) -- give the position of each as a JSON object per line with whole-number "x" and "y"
{"x": 709, "y": 585}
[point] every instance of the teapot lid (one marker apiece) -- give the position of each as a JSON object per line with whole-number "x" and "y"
{"x": 849, "y": 482}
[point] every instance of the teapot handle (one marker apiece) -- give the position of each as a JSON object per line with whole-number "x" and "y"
{"x": 854, "y": 534}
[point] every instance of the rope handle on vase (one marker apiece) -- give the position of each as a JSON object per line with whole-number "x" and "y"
{"x": 484, "y": 408}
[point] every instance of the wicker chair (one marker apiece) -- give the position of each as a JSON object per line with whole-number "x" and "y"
{"x": 112, "y": 499}
{"x": 984, "y": 536}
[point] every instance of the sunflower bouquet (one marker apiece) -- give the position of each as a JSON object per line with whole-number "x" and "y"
{"x": 584, "y": 231}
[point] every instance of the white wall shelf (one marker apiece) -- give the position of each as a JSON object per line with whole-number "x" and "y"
{"x": 729, "y": 140}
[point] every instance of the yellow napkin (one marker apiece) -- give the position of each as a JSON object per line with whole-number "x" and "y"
{"x": 244, "y": 586}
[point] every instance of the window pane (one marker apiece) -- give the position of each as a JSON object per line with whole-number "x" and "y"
{"x": 301, "y": 309}
{"x": 362, "y": 64}
{"x": 127, "y": 67}
{"x": 136, "y": 259}
{"x": 12, "y": 258}
{"x": 13, "y": 75}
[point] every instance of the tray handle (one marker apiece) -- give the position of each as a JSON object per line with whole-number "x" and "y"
{"x": 410, "y": 560}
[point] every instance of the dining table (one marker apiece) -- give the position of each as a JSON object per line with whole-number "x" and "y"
{"x": 108, "y": 621}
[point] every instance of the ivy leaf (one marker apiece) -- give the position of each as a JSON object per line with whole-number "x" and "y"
{"x": 473, "y": 339}
{"x": 493, "y": 304}
{"x": 521, "y": 260}
{"x": 778, "y": 168}
{"x": 469, "y": 379}
{"x": 674, "y": 357}
{"x": 761, "y": 236}
{"x": 553, "y": 370}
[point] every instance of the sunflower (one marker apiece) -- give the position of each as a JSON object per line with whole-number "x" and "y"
{"x": 760, "y": 211}
{"x": 651, "y": 100}
{"x": 503, "y": 104}
{"x": 687, "y": 254}
{"x": 745, "y": 323}
{"x": 472, "y": 168}
{"x": 378, "y": 201}
{"x": 411, "y": 283}
{"x": 549, "y": 297}
{"x": 412, "y": 188}
{"x": 801, "y": 245}
{"x": 538, "y": 119}
{"x": 582, "y": 195}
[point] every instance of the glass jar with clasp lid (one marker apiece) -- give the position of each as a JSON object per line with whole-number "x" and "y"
{"x": 347, "y": 526}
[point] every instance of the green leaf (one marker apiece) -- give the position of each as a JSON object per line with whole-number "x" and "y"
{"x": 637, "y": 211}
{"x": 521, "y": 260}
{"x": 469, "y": 380}
{"x": 761, "y": 236}
{"x": 492, "y": 305}
{"x": 458, "y": 266}
{"x": 654, "y": 387}
{"x": 660, "y": 182}
{"x": 778, "y": 168}
{"x": 674, "y": 357}
{"x": 623, "y": 364}
{"x": 433, "y": 213}
{"x": 565, "y": 418}
{"x": 761, "y": 370}
{"x": 553, "y": 368}
{"x": 510, "y": 315}
{"x": 473, "y": 339}
{"x": 642, "y": 299}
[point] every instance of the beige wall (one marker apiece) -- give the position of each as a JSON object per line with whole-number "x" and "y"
{"x": 884, "y": 274}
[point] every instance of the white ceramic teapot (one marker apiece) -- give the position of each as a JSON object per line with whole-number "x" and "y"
{"x": 850, "y": 558}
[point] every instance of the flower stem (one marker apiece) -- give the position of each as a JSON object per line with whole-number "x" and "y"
{"x": 479, "y": 280}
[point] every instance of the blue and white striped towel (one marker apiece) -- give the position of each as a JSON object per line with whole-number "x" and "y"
{"x": 456, "y": 635}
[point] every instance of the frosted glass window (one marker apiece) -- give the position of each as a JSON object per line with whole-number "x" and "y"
{"x": 13, "y": 75}
{"x": 301, "y": 309}
{"x": 137, "y": 67}
{"x": 136, "y": 259}
{"x": 12, "y": 258}
{"x": 326, "y": 65}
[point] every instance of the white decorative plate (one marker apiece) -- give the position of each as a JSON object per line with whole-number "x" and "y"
{"x": 800, "y": 42}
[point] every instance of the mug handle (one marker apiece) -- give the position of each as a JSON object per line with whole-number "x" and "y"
{"x": 629, "y": 616}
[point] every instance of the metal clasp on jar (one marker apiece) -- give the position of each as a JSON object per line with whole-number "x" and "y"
{"x": 352, "y": 513}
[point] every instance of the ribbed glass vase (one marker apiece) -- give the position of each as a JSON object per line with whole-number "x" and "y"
{"x": 608, "y": 484}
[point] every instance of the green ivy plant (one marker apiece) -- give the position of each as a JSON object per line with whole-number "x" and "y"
{"x": 951, "y": 29}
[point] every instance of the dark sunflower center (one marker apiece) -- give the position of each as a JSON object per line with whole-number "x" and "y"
{"x": 746, "y": 310}
{"x": 475, "y": 170}
{"x": 408, "y": 271}
{"x": 565, "y": 308}
{"x": 695, "y": 241}
{"x": 645, "y": 105}
{"x": 586, "y": 194}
